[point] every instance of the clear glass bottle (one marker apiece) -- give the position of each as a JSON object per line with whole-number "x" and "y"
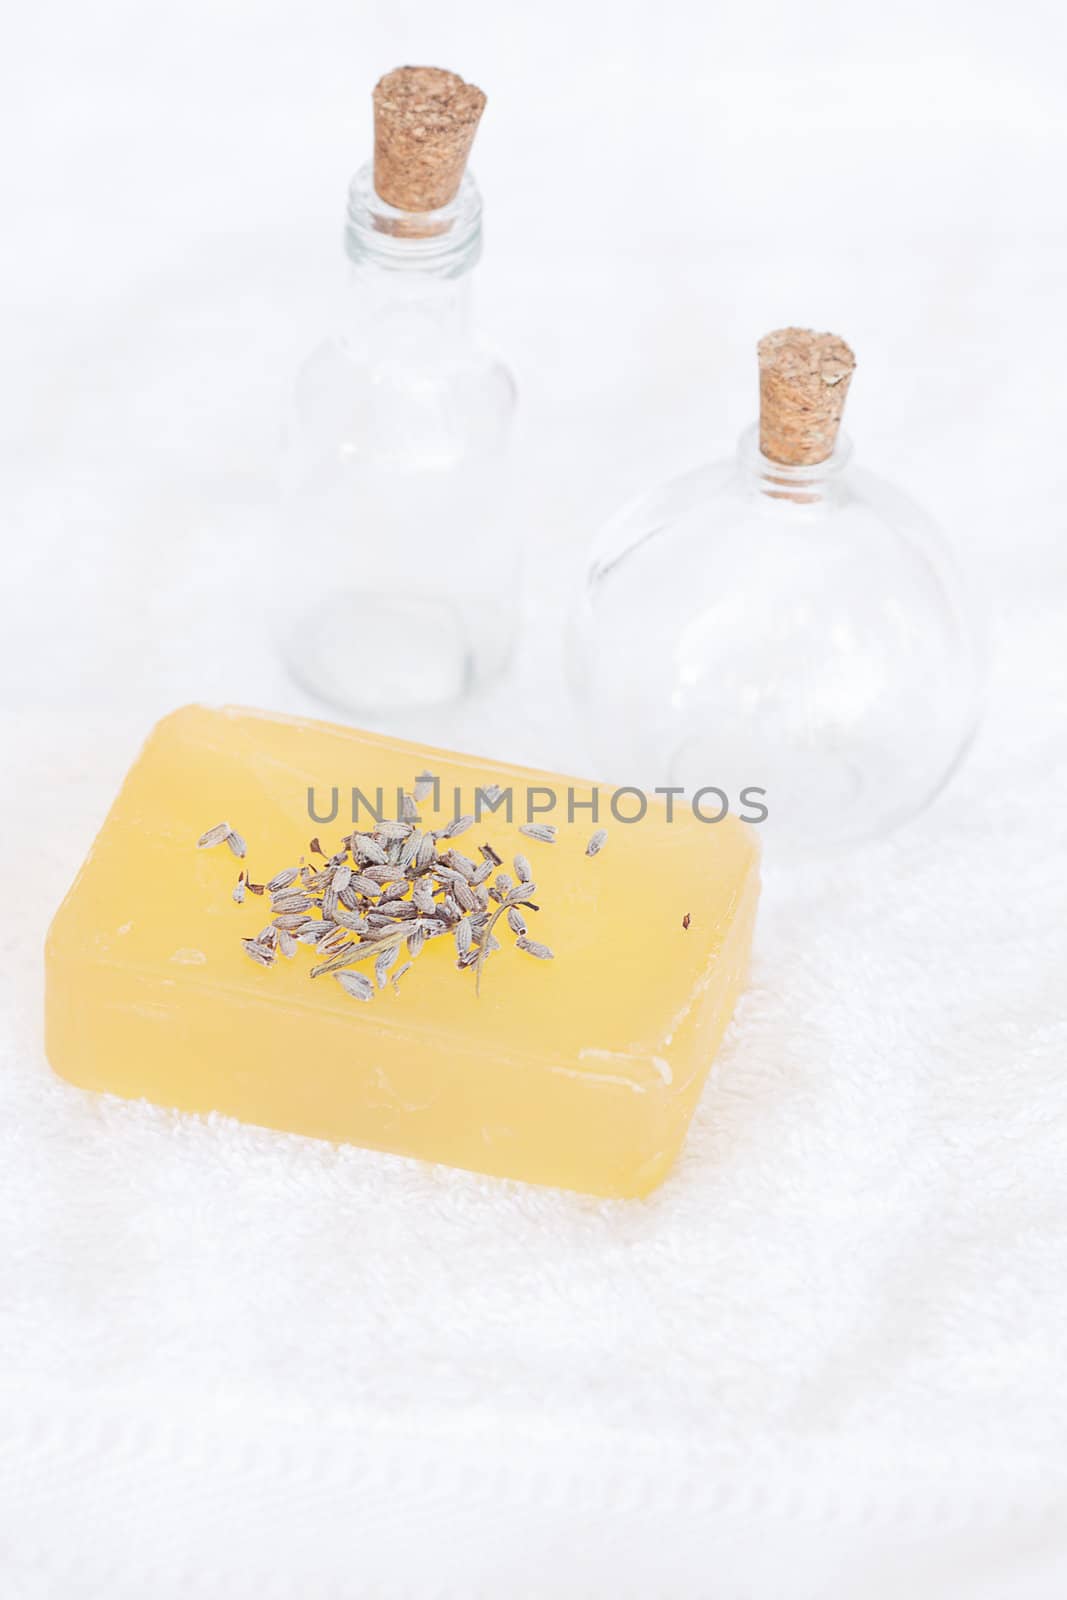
{"x": 798, "y": 629}
{"x": 393, "y": 473}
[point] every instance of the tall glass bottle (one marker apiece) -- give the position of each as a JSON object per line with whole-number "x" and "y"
{"x": 393, "y": 477}
{"x": 781, "y": 627}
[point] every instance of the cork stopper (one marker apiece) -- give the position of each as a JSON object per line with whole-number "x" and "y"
{"x": 425, "y": 120}
{"x": 803, "y": 381}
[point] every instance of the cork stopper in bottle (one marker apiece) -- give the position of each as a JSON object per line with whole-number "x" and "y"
{"x": 803, "y": 381}
{"x": 425, "y": 120}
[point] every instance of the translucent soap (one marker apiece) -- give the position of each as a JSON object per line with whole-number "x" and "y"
{"x": 580, "y": 1071}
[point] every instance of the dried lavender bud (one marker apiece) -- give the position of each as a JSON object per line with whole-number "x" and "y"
{"x": 291, "y": 902}
{"x": 461, "y": 864}
{"x": 392, "y": 830}
{"x": 366, "y": 849}
{"x": 334, "y": 940}
{"x": 214, "y": 836}
{"x": 364, "y": 885}
{"x": 282, "y": 880}
{"x": 261, "y": 954}
{"x": 532, "y": 948}
{"x": 386, "y": 873}
{"x": 356, "y": 984}
{"x": 349, "y": 919}
{"x": 422, "y": 898}
{"x": 398, "y": 908}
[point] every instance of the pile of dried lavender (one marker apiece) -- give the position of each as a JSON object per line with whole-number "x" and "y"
{"x": 395, "y": 885}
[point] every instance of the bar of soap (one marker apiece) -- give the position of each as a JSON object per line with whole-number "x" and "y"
{"x": 580, "y": 1071}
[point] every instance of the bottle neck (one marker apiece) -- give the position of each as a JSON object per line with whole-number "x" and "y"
{"x": 411, "y": 271}
{"x": 425, "y": 246}
{"x": 820, "y": 485}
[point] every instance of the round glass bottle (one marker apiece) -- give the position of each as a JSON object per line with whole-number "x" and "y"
{"x": 393, "y": 467}
{"x": 793, "y": 627}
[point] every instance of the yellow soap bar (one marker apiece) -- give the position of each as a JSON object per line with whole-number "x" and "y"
{"x": 580, "y": 1071}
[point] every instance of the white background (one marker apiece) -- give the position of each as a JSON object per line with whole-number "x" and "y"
{"x": 826, "y": 1358}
